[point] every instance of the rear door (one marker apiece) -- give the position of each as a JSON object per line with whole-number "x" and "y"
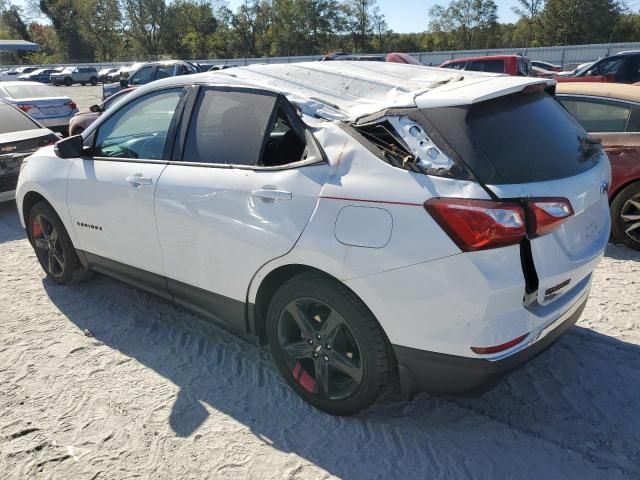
{"x": 239, "y": 194}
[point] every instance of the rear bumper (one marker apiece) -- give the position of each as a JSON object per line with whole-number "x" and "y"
{"x": 441, "y": 373}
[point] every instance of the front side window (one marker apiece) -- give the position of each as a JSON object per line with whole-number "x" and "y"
{"x": 164, "y": 71}
{"x": 142, "y": 76}
{"x": 598, "y": 115}
{"x": 607, "y": 67}
{"x": 138, "y": 129}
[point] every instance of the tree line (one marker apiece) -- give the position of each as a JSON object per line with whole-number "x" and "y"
{"x": 112, "y": 30}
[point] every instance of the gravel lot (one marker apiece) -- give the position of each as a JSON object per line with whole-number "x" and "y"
{"x": 103, "y": 381}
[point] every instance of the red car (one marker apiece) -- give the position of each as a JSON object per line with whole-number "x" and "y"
{"x": 611, "y": 112}
{"x": 394, "y": 57}
{"x": 514, "y": 65}
{"x": 621, "y": 68}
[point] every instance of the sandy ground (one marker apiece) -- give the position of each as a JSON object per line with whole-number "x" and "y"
{"x": 83, "y": 96}
{"x": 155, "y": 392}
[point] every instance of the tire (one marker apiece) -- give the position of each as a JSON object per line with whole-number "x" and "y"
{"x": 47, "y": 234}
{"x": 93, "y": 81}
{"x": 83, "y": 83}
{"x": 56, "y": 83}
{"x": 625, "y": 215}
{"x": 68, "y": 82}
{"x": 357, "y": 345}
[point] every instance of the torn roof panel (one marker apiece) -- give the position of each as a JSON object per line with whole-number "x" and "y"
{"x": 349, "y": 90}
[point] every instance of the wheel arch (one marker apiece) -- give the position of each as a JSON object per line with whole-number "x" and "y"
{"x": 622, "y": 187}
{"x": 29, "y": 200}
{"x": 269, "y": 285}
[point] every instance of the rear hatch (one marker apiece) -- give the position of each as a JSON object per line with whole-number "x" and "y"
{"x": 525, "y": 146}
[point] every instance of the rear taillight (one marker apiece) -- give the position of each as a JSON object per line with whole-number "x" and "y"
{"x": 25, "y": 107}
{"x": 499, "y": 348}
{"x": 546, "y": 214}
{"x": 479, "y": 224}
{"x": 71, "y": 104}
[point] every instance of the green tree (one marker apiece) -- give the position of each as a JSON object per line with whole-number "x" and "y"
{"x": 472, "y": 21}
{"x": 66, "y": 20}
{"x": 575, "y": 22}
{"x": 529, "y": 12}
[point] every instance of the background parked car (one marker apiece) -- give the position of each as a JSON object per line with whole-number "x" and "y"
{"x": 20, "y": 136}
{"x": 612, "y": 113}
{"x": 551, "y": 67}
{"x": 123, "y": 72}
{"x": 150, "y": 72}
{"x": 389, "y": 57}
{"x": 71, "y": 75}
{"x": 13, "y": 74}
{"x": 216, "y": 68}
{"x": 514, "y": 65}
{"x": 42, "y": 75}
{"x": 87, "y": 116}
{"x": 41, "y": 102}
{"x": 104, "y": 73}
{"x": 621, "y": 68}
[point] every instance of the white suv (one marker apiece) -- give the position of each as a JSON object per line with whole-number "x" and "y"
{"x": 365, "y": 221}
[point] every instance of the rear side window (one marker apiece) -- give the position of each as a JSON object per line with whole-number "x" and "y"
{"x": 518, "y": 138}
{"x": 229, "y": 127}
{"x": 492, "y": 66}
{"x": 599, "y": 115}
{"x": 11, "y": 120}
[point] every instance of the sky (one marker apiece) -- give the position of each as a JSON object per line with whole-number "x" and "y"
{"x": 411, "y": 15}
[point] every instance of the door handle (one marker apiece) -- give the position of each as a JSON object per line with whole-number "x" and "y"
{"x": 273, "y": 195}
{"x": 138, "y": 180}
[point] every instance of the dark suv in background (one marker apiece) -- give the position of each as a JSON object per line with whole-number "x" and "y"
{"x": 623, "y": 67}
{"x": 150, "y": 72}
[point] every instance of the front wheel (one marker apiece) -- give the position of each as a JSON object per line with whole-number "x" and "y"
{"x": 53, "y": 247}
{"x": 625, "y": 216}
{"x": 328, "y": 345}
{"x": 68, "y": 82}
{"x": 93, "y": 81}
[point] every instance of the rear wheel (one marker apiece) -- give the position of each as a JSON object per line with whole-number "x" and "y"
{"x": 328, "y": 345}
{"x": 93, "y": 81}
{"x": 53, "y": 247}
{"x": 68, "y": 82}
{"x": 625, "y": 216}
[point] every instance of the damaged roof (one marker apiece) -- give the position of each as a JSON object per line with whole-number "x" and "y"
{"x": 349, "y": 90}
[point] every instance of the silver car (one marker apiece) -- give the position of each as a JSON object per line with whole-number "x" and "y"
{"x": 40, "y": 102}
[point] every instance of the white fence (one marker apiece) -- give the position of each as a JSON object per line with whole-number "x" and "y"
{"x": 567, "y": 56}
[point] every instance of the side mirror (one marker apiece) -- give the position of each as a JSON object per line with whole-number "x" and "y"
{"x": 70, "y": 147}
{"x": 95, "y": 108}
{"x": 124, "y": 83}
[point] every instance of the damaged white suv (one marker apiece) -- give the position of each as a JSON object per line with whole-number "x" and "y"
{"x": 367, "y": 222}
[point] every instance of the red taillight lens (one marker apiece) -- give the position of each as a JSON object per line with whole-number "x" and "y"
{"x": 546, "y": 214}
{"x": 71, "y": 104}
{"x": 479, "y": 224}
{"x": 25, "y": 108}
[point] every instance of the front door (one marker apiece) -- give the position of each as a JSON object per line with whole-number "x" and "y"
{"x": 110, "y": 194}
{"x": 246, "y": 185}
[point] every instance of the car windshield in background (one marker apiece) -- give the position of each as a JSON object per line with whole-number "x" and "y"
{"x": 30, "y": 91}
{"x": 11, "y": 120}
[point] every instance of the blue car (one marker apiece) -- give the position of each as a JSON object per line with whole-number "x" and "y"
{"x": 42, "y": 75}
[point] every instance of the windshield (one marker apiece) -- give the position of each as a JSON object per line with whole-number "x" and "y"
{"x": 11, "y": 120}
{"x": 30, "y": 91}
{"x": 518, "y": 138}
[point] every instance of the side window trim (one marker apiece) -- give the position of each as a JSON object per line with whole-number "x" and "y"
{"x": 90, "y": 141}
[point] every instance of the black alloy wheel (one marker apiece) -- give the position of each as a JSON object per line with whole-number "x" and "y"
{"x": 630, "y": 217}
{"x": 48, "y": 246}
{"x": 320, "y": 349}
{"x": 53, "y": 247}
{"x": 328, "y": 345}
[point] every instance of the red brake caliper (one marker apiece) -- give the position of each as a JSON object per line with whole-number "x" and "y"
{"x": 303, "y": 378}
{"x": 36, "y": 228}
